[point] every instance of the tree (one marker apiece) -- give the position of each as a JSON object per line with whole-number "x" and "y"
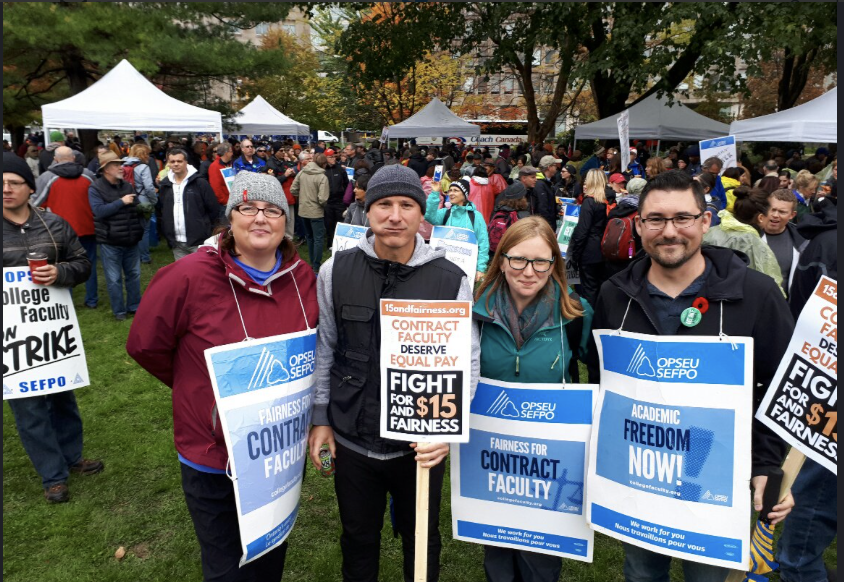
{"x": 763, "y": 88}
{"x": 52, "y": 50}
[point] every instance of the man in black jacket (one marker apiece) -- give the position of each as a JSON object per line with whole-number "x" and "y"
{"x": 649, "y": 296}
{"x": 338, "y": 180}
{"x": 119, "y": 227}
{"x": 417, "y": 162}
{"x": 544, "y": 196}
{"x": 50, "y": 426}
{"x": 190, "y": 208}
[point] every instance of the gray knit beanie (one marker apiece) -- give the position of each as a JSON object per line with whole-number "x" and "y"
{"x": 396, "y": 180}
{"x": 254, "y": 187}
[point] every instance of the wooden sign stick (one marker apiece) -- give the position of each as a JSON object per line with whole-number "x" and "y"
{"x": 423, "y": 497}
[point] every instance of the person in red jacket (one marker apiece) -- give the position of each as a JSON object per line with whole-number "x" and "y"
{"x": 250, "y": 283}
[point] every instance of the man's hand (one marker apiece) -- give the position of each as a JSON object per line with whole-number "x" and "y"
{"x": 289, "y": 172}
{"x": 430, "y": 454}
{"x": 780, "y": 510}
{"x": 45, "y": 275}
{"x": 128, "y": 198}
{"x": 319, "y": 436}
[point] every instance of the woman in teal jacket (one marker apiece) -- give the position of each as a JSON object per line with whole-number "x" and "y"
{"x": 522, "y": 308}
{"x": 461, "y": 214}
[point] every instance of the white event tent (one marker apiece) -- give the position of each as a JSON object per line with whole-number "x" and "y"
{"x": 814, "y": 122}
{"x": 434, "y": 120}
{"x": 259, "y": 117}
{"x": 653, "y": 118}
{"x": 123, "y": 99}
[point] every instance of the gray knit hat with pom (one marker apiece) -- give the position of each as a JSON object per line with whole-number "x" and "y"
{"x": 254, "y": 187}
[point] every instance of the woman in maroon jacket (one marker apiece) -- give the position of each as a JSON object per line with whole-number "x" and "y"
{"x": 250, "y": 283}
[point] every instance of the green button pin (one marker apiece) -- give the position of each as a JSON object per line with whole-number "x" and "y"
{"x": 690, "y": 317}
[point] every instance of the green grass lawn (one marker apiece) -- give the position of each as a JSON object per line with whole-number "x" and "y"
{"x": 137, "y": 501}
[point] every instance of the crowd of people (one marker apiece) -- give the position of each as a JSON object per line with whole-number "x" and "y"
{"x": 645, "y": 246}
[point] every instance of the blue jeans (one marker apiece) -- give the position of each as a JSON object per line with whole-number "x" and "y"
{"x": 153, "y": 231}
{"x": 50, "y": 428}
{"x": 92, "y": 295}
{"x": 810, "y": 527}
{"x": 641, "y": 565}
{"x": 315, "y": 235}
{"x": 120, "y": 262}
{"x": 143, "y": 246}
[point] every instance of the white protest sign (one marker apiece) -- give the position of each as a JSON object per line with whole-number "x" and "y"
{"x": 228, "y": 177}
{"x": 623, "y": 123}
{"x": 518, "y": 482}
{"x": 461, "y": 247}
{"x": 801, "y": 402}
{"x": 42, "y": 344}
{"x": 426, "y": 364}
{"x": 264, "y": 394}
{"x": 384, "y": 133}
{"x": 347, "y": 236}
{"x": 723, "y": 148}
{"x": 670, "y": 452}
{"x": 350, "y": 172}
{"x": 571, "y": 214}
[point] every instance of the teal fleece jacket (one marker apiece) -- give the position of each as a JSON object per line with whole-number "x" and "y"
{"x": 459, "y": 218}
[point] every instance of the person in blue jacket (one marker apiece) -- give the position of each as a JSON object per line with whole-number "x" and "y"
{"x": 460, "y": 213}
{"x": 522, "y": 308}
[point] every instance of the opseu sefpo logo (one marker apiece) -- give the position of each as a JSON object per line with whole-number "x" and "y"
{"x": 506, "y": 407}
{"x": 641, "y": 365}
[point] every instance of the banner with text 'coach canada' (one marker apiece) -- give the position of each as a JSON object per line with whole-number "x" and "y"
{"x": 670, "y": 462}
{"x": 264, "y": 394}
{"x": 801, "y": 404}
{"x": 518, "y": 482}
{"x": 42, "y": 344}
{"x": 426, "y": 370}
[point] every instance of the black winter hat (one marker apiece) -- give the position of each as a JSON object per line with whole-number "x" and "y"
{"x": 515, "y": 191}
{"x": 15, "y": 165}
{"x": 462, "y": 185}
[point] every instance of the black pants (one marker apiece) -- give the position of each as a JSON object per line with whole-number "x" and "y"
{"x": 591, "y": 278}
{"x": 333, "y": 215}
{"x": 212, "y": 508}
{"x": 509, "y": 565}
{"x": 362, "y": 485}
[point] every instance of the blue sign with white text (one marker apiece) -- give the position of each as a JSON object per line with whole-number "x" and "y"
{"x": 569, "y": 406}
{"x": 464, "y": 235}
{"x": 264, "y": 366}
{"x": 681, "y": 452}
{"x": 542, "y": 473}
{"x": 675, "y": 362}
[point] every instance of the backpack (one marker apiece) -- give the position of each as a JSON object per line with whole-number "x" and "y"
{"x": 498, "y": 224}
{"x": 129, "y": 174}
{"x": 618, "y": 243}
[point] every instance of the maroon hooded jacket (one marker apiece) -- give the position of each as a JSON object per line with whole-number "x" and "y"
{"x": 189, "y": 307}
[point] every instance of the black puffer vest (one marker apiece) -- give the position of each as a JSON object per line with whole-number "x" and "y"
{"x": 124, "y": 228}
{"x": 355, "y": 404}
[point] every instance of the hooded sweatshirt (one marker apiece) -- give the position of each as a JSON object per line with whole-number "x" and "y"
{"x": 327, "y": 336}
{"x": 68, "y": 170}
{"x": 311, "y": 186}
{"x": 189, "y": 210}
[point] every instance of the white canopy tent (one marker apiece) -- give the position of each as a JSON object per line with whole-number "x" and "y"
{"x": 126, "y": 100}
{"x": 653, "y": 118}
{"x": 815, "y": 122}
{"x": 434, "y": 120}
{"x": 259, "y": 117}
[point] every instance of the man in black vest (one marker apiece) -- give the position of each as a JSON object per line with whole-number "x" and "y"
{"x": 392, "y": 261}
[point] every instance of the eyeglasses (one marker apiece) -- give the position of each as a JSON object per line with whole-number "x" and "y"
{"x": 13, "y": 183}
{"x": 659, "y": 222}
{"x": 260, "y": 150}
{"x": 269, "y": 212}
{"x": 521, "y": 263}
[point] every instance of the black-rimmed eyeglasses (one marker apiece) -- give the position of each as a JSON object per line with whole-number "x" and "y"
{"x": 521, "y": 263}
{"x": 269, "y": 212}
{"x": 659, "y": 222}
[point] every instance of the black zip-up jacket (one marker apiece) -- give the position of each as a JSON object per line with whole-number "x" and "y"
{"x": 202, "y": 211}
{"x": 338, "y": 179}
{"x": 48, "y": 233}
{"x": 585, "y": 245}
{"x": 753, "y": 307}
{"x": 543, "y": 202}
{"x": 418, "y": 164}
{"x": 819, "y": 256}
